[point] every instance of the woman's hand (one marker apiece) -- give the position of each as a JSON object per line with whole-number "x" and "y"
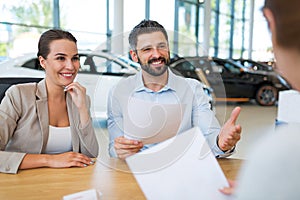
{"x": 68, "y": 159}
{"x": 78, "y": 93}
{"x": 63, "y": 160}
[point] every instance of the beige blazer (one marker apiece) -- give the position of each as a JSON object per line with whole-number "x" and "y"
{"x": 24, "y": 125}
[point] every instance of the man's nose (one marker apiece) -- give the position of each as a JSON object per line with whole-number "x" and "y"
{"x": 155, "y": 52}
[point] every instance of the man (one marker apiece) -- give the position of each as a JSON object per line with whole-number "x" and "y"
{"x": 156, "y": 83}
{"x": 272, "y": 168}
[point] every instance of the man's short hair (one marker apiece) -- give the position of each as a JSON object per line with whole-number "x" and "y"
{"x": 145, "y": 26}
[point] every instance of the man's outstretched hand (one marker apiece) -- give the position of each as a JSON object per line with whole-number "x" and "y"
{"x": 230, "y": 133}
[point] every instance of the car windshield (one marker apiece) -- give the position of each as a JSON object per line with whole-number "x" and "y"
{"x": 232, "y": 68}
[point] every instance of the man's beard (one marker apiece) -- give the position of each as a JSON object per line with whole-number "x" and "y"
{"x": 157, "y": 71}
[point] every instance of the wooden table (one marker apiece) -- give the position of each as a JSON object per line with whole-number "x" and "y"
{"x": 48, "y": 183}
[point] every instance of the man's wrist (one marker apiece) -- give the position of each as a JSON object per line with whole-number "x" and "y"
{"x": 230, "y": 150}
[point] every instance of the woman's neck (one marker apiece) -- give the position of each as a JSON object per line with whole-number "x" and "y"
{"x": 55, "y": 92}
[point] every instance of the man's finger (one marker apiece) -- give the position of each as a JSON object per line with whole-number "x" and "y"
{"x": 227, "y": 190}
{"x": 123, "y": 140}
{"x": 234, "y": 115}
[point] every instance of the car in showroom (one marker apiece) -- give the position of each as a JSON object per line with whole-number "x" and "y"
{"x": 232, "y": 81}
{"x": 254, "y": 65}
{"x": 98, "y": 72}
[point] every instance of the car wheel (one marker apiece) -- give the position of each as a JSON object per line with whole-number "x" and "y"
{"x": 266, "y": 95}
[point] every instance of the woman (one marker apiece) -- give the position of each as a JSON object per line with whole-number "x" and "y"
{"x": 47, "y": 124}
{"x": 272, "y": 170}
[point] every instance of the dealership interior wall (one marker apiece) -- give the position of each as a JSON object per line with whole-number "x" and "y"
{"x": 226, "y": 29}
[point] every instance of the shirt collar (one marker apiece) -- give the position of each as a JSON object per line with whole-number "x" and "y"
{"x": 140, "y": 84}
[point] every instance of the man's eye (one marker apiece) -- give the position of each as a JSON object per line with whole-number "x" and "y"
{"x": 162, "y": 46}
{"x": 146, "y": 49}
{"x": 60, "y": 58}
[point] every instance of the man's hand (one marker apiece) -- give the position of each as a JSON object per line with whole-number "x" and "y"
{"x": 126, "y": 147}
{"x": 230, "y": 133}
{"x": 229, "y": 190}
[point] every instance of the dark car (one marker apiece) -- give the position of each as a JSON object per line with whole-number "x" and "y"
{"x": 232, "y": 81}
{"x": 251, "y": 64}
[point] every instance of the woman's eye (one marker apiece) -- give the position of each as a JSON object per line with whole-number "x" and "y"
{"x": 75, "y": 59}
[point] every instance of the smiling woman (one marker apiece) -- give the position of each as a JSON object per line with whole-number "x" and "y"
{"x": 32, "y": 114}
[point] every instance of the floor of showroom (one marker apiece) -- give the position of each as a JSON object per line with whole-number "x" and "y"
{"x": 256, "y": 121}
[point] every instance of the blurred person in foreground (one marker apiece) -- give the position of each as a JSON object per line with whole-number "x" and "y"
{"x": 48, "y": 124}
{"x": 272, "y": 169}
{"x": 156, "y": 83}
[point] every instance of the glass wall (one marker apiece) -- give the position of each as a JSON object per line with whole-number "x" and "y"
{"x": 22, "y": 22}
{"x": 87, "y": 21}
{"x": 189, "y": 25}
{"x": 231, "y": 30}
{"x": 262, "y": 45}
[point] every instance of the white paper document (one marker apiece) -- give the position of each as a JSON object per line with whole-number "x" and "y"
{"x": 91, "y": 194}
{"x": 151, "y": 122}
{"x": 179, "y": 168}
{"x": 288, "y": 106}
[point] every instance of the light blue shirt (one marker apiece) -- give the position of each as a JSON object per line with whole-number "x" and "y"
{"x": 186, "y": 91}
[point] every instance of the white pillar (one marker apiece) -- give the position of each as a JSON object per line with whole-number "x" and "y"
{"x": 251, "y": 29}
{"x": 117, "y": 32}
{"x": 207, "y": 22}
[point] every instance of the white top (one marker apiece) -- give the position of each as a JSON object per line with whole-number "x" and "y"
{"x": 59, "y": 140}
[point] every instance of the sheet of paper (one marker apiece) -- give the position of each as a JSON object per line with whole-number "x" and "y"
{"x": 91, "y": 194}
{"x": 151, "y": 122}
{"x": 288, "y": 106}
{"x": 180, "y": 168}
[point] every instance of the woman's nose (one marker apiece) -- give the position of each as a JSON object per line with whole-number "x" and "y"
{"x": 69, "y": 64}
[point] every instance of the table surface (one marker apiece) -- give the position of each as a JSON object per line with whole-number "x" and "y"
{"x": 50, "y": 183}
